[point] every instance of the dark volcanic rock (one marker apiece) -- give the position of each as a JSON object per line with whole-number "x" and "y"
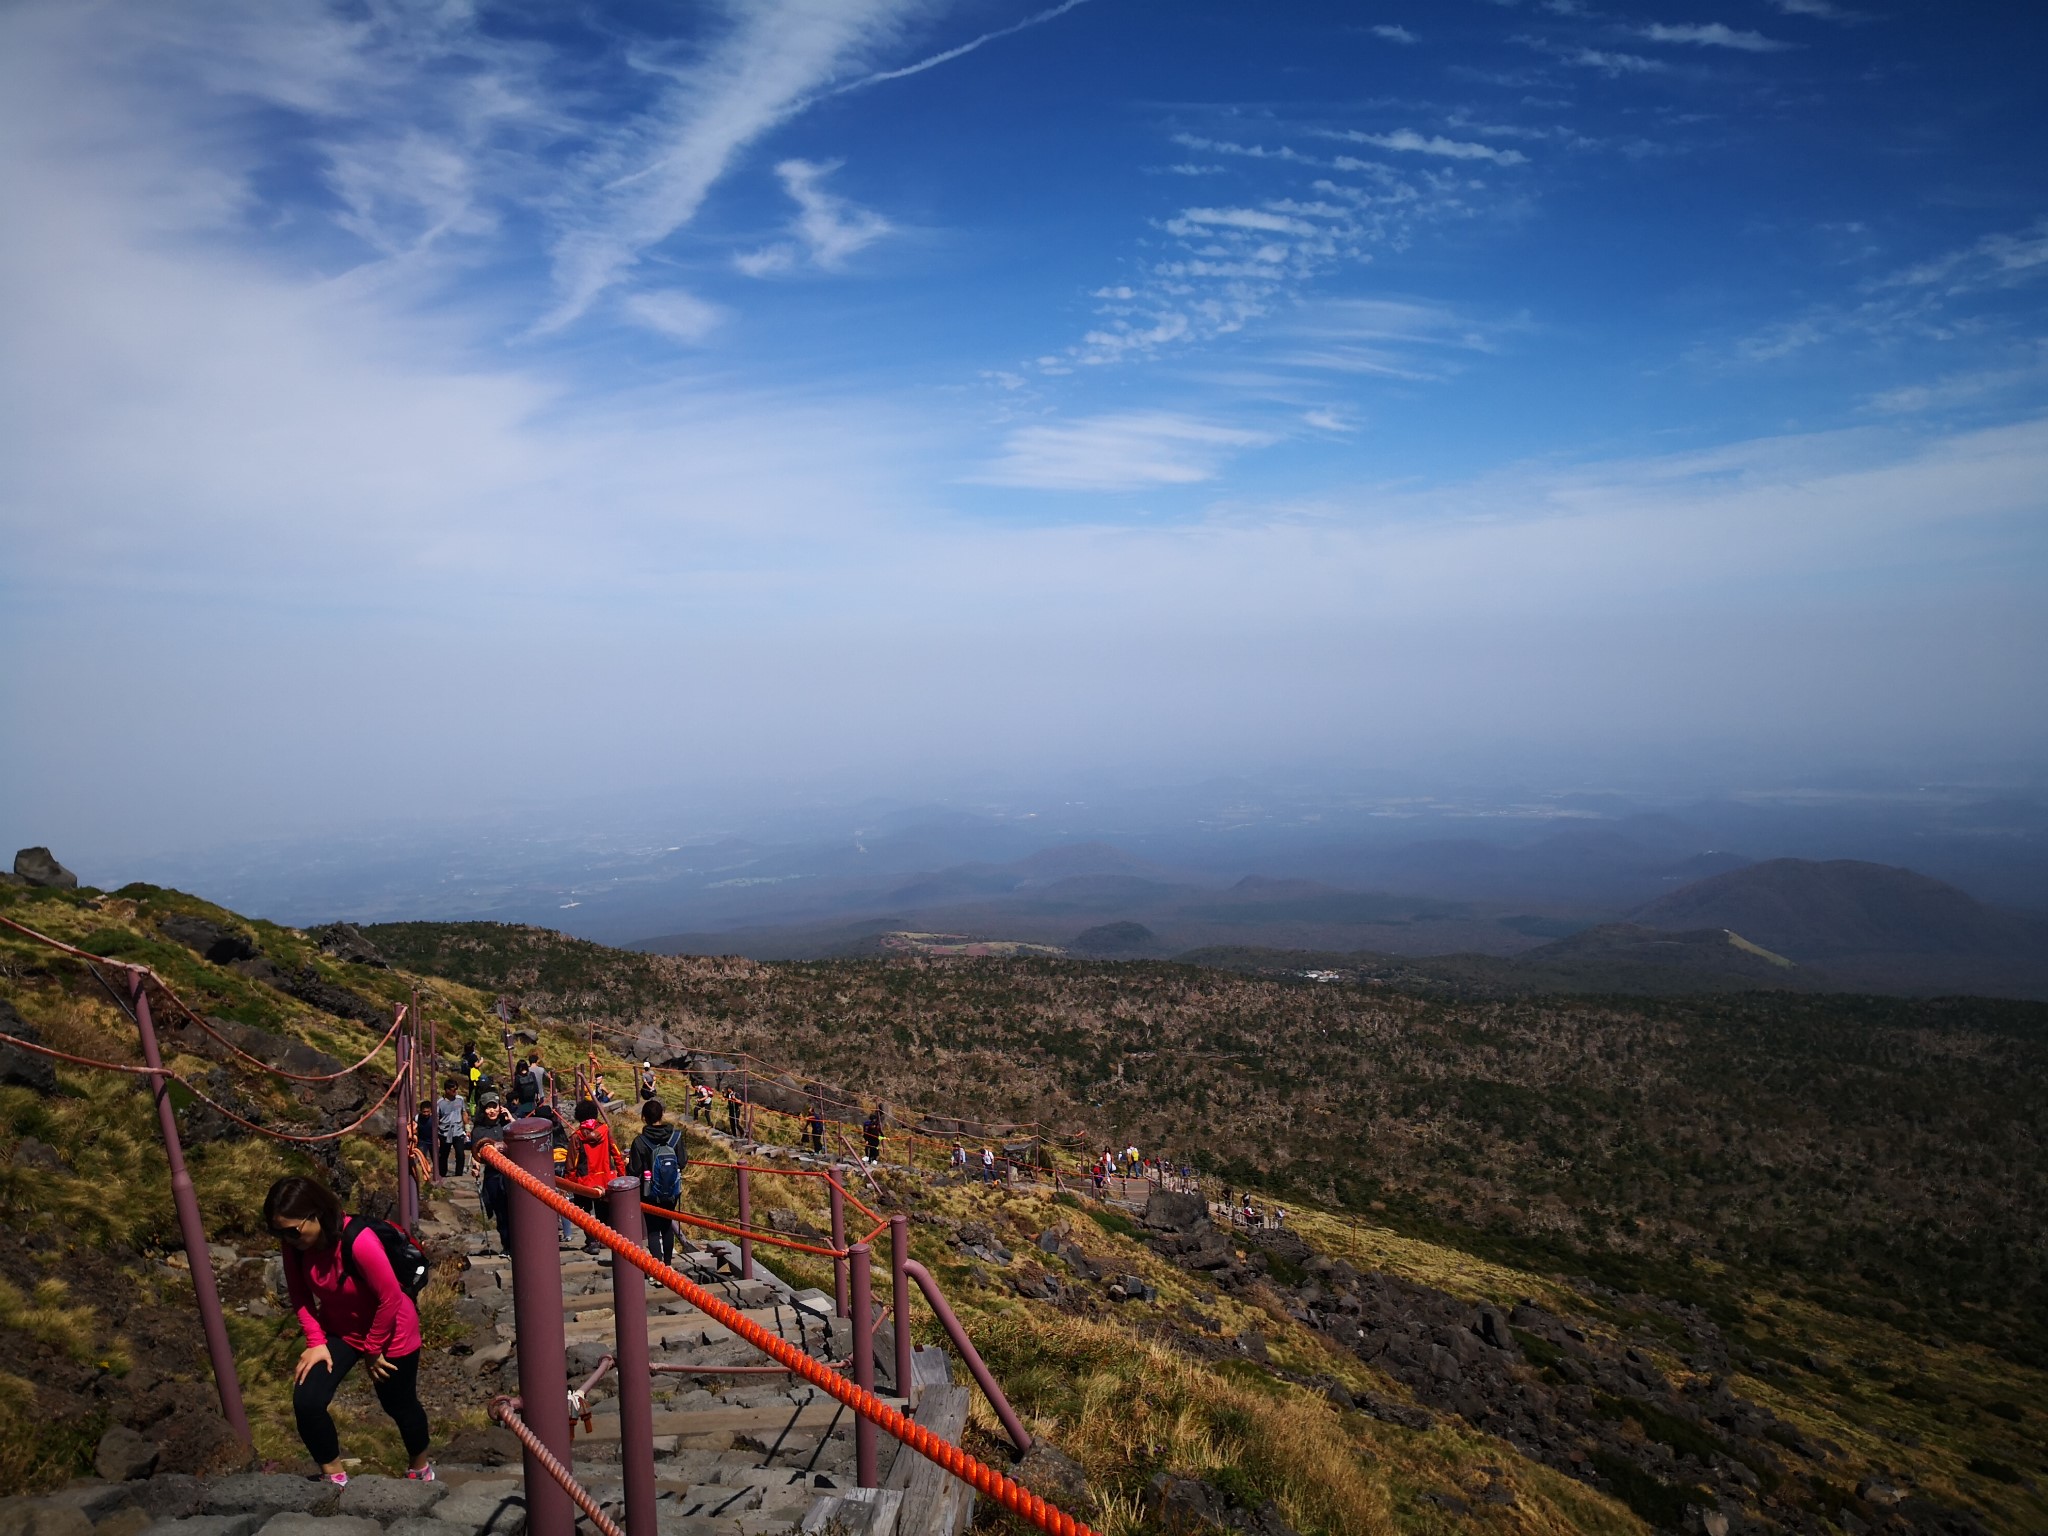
{"x": 1170, "y": 1210}
{"x": 222, "y": 946}
{"x": 345, "y": 942}
{"x": 24, "y": 1069}
{"x": 1184, "y": 1506}
{"x": 38, "y": 866}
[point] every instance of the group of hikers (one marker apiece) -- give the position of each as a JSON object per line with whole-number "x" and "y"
{"x": 354, "y": 1281}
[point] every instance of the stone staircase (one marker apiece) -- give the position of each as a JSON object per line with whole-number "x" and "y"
{"x": 735, "y": 1455}
{"x": 739, "y": 1455}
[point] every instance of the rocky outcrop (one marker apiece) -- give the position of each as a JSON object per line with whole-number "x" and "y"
{"x": 24, "y": 1069}
{"x": 38, "y": 866}
{"x": 212, "y": 941}
{"x": 345, "y": 942}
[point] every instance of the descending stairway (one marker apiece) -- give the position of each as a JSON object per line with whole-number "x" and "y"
{"x": 735, "y": 1455}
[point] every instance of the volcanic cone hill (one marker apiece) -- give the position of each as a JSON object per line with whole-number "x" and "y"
{"x": 1865, "y": 924}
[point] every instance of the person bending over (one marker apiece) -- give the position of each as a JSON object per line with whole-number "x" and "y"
{"x": 352, "y": 1308}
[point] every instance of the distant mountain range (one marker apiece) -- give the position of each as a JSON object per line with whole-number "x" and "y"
{"x": 1791, "y": 924}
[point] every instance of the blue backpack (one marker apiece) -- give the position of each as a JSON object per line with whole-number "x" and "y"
{"x": 665, "y": 1171}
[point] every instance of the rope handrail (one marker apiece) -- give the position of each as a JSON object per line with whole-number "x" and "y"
{"x": 505, "y": 1410}
{"x": 969, "y": 1469}
{"x": 757, "y": 1234}
{"x": 199, "y": 1093}
{"x": 171, "y": 995}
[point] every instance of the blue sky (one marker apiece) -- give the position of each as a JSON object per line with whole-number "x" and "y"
{"x": 616, "y": 394}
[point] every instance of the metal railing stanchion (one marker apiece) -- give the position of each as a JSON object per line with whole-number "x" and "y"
{"x": 899, "y": 1299}
{"x": 746, "y": 1220}
{"x": 838, "y": 1198}
{"x": 636, "y": 1404}
{"x": 537, "y": 1318}
{"x": 192, "y": 1227}
{"x": 863, "y": 1363}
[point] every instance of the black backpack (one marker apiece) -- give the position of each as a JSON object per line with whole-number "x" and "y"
{"x": 407, "y": 1261}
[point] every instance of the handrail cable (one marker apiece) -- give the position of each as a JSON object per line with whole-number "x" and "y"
{"x": 969, "y": 1469}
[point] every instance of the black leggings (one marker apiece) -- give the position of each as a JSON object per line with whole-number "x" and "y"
{"x": 398, "y": 1392}
{"x": 661, "y": 1238}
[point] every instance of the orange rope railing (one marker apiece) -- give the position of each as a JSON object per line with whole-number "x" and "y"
{"x": 170, "y": 995}
{"x": 970, "y": 1470}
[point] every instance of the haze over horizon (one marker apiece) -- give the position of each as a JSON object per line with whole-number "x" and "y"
{"x": 423, "y": 413}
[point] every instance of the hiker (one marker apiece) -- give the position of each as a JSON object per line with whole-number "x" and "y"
{"x": 657, "y": 1158}
{"x": 494, "y": 1190}
{"x": 451, "y": 1122}
{"x": 470, "y": 1056}
{"x": 600, "y": 1092}
{"x": 528, "y": 1080}
{"x": 592, "y": 1160}
{"x": 959, "y": 1158}
{"x": 352, "y": 1307}
{"x": 817, "y": 1130}
{"x": 647, "y": 1088}
{"x": 704, "y": 1102}
{"x": 732, "y": 1112}
{"x": 871, "y": 1129}
{"x": 988, "y": 1166}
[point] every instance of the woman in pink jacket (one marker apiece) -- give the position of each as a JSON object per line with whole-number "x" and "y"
{"x": 351, "y": 1307}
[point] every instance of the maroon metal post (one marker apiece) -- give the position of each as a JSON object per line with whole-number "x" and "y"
{"x": 899, "y": 1299}
{"x": 537, "y": 1319}
{"x": 839, "y": 1242}
{"x": 976, "y": 1367}
{"x": 197, "y": 1254}
{"x": 746, "y": 1220}
{"x": 636, "y": 1403}
{"x": 408, "y": 1127}
{"x": 863, "y": 1364}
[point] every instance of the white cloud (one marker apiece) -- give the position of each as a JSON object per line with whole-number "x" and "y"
{"x": 1328, "y": 421}
{"x": 1825, "y": 10}
{"x": 1192, "y": 220}
{"x": 1394, "y": 34}
{"x": 1712, "y": 34}
{"x": 650, "y": 180}
{"x": 947, "y": 56}
{"x": 676, "y": 314}
{"x": 829, "y": 228}
{"x": 1408, "y": 141}
{"x": 1127, "y": 451}
{"x": 1612, "y": 63}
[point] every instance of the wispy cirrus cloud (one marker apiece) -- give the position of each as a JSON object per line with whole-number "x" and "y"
{"x": 650, "y": 178}
{"x": 1122, "y": 451}
{"x": 1825, "y": 10}
{"x": 829, "y": 228}
{"x": 1394, "y": 34}
{"x": 1712, "y": 34}
{"x": 1408, "y": 141}
{"x": 1938, "y": 298}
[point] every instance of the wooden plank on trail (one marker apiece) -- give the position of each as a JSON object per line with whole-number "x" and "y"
{"x": 935, "y": 1502}
{"x": 772, "y": 1418}
{"x": 856, "y": 1512}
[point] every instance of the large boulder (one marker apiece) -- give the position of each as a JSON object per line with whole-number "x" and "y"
{"x": 24, "y": 1069}
{"x": 123, "y": 1454}
{"x": 346, "y": 943}
{"x": 210, "y": 940}
{"x": 1173, "y": 1210}
{"x": 39, "y": 866}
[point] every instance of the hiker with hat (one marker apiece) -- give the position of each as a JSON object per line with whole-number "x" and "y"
{"x": 494, "y": 1190}
{"x": 647, "y": 1089}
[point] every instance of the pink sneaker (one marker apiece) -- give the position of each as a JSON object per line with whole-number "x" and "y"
{"x": 339, "y": 1479}
{"x": 422, "y": 1474}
